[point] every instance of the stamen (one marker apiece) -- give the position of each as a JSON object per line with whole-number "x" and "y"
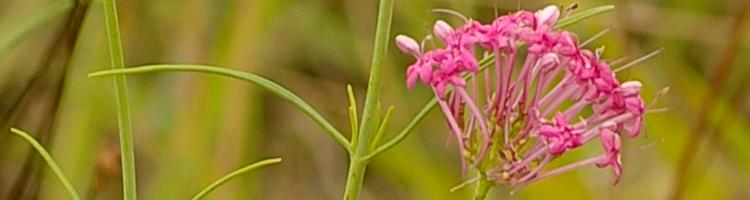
{"x": 596, "y": 36}
{"x": 562, "y": 170}
{"x": 636, "y": 61}
{"x": 464, "y": 184}
{"x": 572, "y": 7}
{"x": 451, "y": 12}
{"x": 663, "y": 92}
{"x": 426, "y": 38}
{"x": 657, "y": 110}
{"x": 617, "y": 61}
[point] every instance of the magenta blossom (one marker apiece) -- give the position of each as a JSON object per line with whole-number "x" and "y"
{"x": 539, "y": 95}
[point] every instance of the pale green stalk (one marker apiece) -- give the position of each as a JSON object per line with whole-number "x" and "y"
{"x": 123, "y": 106}
{"x": 51, "y": 162}
{"x": 358, "y": 165}
{"x": 233, "y": 175}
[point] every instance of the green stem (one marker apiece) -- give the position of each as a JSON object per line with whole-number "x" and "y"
{"x": 123, "y": 106}
{"x": 51, "y": 162}
{"x": 358, "y": 165}
{"x": 234, "y": 174}
{"x": 355, "y": 177}
{"x": 269, "y": 85}
{"x": 483, "y": 186}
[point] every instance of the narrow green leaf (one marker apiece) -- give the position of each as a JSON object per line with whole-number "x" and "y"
{"x": 383, "y": 126}
{"x": 407, "y": 130}
{"x": 234, "y": 174}
{"x": 51, "y": 162}
{"x": 260, "y": 81}
{"x": 580, "y": 16}
{"x": 353, "y": 119}
{"x": 127, "y": 151}
{"x": 40, "y": 18}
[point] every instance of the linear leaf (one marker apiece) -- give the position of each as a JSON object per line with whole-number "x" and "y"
{"x": 580, "y": 16}
{"x": 260, "y": 81}
{"x": 51, "y": 162}
{"x": 233, "y": 175}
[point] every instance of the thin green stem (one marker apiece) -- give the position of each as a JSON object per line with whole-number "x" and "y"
{"x": 483, "y": 187}
{"x": 51, "y": 162}
{"x": 271, "y": 86}
{"x": 357, "y": 165}
{"x": 233, "y": 175}
{"x": 123, "y": 106}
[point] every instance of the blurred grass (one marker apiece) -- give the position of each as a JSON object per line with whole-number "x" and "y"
{"x": 190, "y": 129}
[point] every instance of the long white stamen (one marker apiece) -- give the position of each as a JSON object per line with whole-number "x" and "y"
{"x": 596, "y": 36}
{"x": 451, "y": 12}
{"x": 636, "y": 61}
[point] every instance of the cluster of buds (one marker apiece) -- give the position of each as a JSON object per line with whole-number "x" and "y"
{"x": 540, "y": 96}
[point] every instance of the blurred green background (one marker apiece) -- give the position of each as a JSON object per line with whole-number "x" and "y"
{"x": 191, "y": 129}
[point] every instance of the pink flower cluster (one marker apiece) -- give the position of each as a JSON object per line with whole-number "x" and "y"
{"x": 540, "y": 96}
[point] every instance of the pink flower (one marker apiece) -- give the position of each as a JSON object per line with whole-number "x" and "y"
{"x": 559, "y": 136}
{"x": 539, "y": 87}
{"x": 611, "y": 142}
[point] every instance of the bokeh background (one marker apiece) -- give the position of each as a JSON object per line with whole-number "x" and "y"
{"x": 191, "y": 129}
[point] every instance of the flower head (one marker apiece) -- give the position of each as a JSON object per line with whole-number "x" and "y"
{"x": 536, "y": 83}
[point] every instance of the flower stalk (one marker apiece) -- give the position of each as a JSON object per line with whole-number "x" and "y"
{"x": 359, "y": 159}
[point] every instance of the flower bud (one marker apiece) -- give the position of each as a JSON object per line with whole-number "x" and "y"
{"x": 548, "y": 15}
{"x": 630, "y": 88}
{"x": 407, "y": 45}
{"x": 443, "y": 30}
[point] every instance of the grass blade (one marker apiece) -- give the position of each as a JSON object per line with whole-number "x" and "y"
{"x": 51, "y": 162}
{"x": 260, "y": 81}
{"x": 121, "y": 96}
{"x": 580, "y": 16}
{"x": 40, "y": 18}
{"x": 234, "y": 174}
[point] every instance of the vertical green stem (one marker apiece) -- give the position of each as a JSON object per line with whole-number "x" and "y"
{"x": 121, "y": 95}
{"x": 358, "y": 162}
{"x": 483, "y": 186}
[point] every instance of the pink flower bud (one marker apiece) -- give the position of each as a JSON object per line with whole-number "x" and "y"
{"x": 443, "y": 30}
{"x": 630, "y": 88}
{"x": 548, "y": 15}
{"x": 407, "y": 45}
